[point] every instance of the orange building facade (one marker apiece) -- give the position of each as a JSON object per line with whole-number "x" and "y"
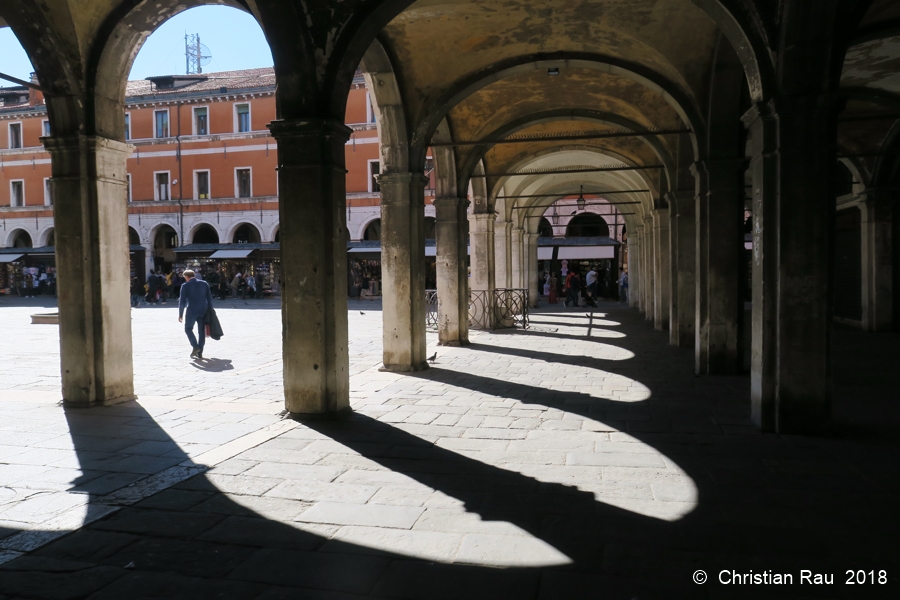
{"x": 201, "y": 176}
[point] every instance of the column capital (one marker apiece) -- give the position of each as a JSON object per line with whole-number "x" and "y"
{"x": 401, "y": 179}
{"x": 876, "y": 204}
{"x": 681, "y": 202}
{"x": 451, "y": 202}
{"x": 283, "y": 129}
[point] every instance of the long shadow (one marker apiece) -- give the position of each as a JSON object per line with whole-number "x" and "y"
{"x": 213, "y": 365}
{"x": 191, "y": 540}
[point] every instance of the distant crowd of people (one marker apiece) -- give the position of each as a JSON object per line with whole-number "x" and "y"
{"x": 36, "y": 282}
{"x": 585, "y": 289}
{"x": 161, "y": 286}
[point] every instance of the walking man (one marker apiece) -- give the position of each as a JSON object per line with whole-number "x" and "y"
{"x": 591, "y": 281}
{"x": 196, "y": 297}
{"x": 623, "y": 285}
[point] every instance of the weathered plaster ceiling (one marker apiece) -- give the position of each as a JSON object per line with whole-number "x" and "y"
{"x": 874, "y": 64}
{"x": 438, "y": 42}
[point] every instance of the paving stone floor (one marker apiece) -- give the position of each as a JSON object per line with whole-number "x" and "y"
{"x": 578, "y": 459}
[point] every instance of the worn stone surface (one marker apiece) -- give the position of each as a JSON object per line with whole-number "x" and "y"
{"x": 531, "y": 464}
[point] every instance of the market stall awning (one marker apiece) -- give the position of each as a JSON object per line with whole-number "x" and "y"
{"x": 577, "y": 252}
{"x": 365, "y": 249}
{"x": 231, "y": 253}
{"x": 8, "y": 258}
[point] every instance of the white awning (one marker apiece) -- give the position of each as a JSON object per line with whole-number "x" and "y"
{"x": 576, "y": 252}
{"x": 8, "y": 258}
{"x": 357, "y": 250}
{"x": 231, "y": 253}
{"x": 586, "y": 252}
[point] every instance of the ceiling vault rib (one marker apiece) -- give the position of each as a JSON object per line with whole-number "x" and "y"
{"x": 528, "y": 172}
{"x": 566, "y": 136}
{"x": 600, "y": 192}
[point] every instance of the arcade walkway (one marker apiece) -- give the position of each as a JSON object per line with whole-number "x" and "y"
{"x": 542, "y": 464}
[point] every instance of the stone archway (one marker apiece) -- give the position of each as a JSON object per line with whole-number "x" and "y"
{"x": 204, "y": 233}
{"x": 587, "y": 225}
{"x": 245, "y": 233}
{"x": 20, "y": 238}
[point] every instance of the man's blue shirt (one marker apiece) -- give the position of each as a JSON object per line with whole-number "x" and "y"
{"x": 195, "y": 295}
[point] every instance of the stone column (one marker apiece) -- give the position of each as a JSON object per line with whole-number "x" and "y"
{"x": 877, "y": 259}
{"x": 634, "y": 270}
{"x": 792, "y": 145}
{"x": 723, "y": 233}
{"x": 502, "y": 254}
{"x": 650, "y": 279}
{"x": 452, "y": 272}
{"x": 312, "y": 213}
{"x": 90, "y": 212}
{"x": 481, "y": 237}
{"x": 517, "y": 250}
{"x": 662, "y": 286}
{"x": 531, "y": 269}
{"x": 403, "y": 270}
{"x": 682, "y": 249}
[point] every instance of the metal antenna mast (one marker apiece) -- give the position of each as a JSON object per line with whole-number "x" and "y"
{"x": 195, "y": 54}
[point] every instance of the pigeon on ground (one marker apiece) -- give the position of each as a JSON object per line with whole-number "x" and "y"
{"x": 233, "y": 306}
{"x": 433, "y": 357}
{"x": 247, "y": 303}
{"x": 361, "y": 312}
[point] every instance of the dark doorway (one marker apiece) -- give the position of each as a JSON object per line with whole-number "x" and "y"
{"x": 587, "y": 225}
{"x": 848, "y": 265}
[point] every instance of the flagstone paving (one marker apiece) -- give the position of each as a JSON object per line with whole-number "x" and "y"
{"x": 540, "y": 464}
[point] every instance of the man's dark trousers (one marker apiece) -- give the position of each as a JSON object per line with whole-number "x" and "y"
{"x": 189, "y": 319}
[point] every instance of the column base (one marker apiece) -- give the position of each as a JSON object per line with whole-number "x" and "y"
{"x": 404, "y": 368}
{"x": 93, "y": 403}
{"x": 454, "y": 343}
{"x": 339, "y": 415}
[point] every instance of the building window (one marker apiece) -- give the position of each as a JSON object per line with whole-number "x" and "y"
{"x": 48, "y": 192}
{"x": 374, "y": 171}
{"x": 243, "y": 117}
{"x": 45, "y": 128}
{"x": 161, "y": 189}
{"x": 17, "y": 193}
{"x": 243, "y": 183}
{"x": 15, "y": 135}
{"x": 162, "y": 123}
{"x": 127, "y": 126}
{"x": 201, "y": 184}
{"x": 201, "y": 121}
{"x": 370, "y": 110}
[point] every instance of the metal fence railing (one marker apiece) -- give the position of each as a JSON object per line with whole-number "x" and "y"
{"x": 511, "y": 307}
{"x": 503, "y": 309}
{"x": 431, "y": 309}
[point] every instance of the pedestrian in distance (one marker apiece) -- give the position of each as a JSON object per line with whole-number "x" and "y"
{"x": 195, "y": 300}
{"x": 137, "y": 292}
{"x": 591, "y": 280}
{"x": 152, "y": 287}
{"x": 235, "y": 284}
{"x": 251, "y": 286}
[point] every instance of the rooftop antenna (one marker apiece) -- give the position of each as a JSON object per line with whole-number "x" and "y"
{"x": 196, "y": 55}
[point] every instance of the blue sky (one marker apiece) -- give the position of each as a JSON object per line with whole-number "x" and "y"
{"x": 232, "y": 36}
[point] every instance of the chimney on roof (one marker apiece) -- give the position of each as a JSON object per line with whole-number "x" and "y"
{"x": 35, "y": 97}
